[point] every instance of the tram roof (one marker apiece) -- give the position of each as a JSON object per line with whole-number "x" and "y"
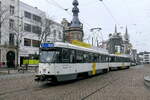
{"x": 71, "y": 46}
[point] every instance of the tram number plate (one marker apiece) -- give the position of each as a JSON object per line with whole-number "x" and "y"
{"x": 66, "y": 67}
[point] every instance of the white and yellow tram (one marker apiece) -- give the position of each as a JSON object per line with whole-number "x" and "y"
{"x": 64, "y": 61}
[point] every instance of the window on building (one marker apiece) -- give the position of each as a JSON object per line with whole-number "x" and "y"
{"x": 11, "y": 24}
{"x": 35, "y": 43}
{"x": 11, "y": 39}
{"x": 36, "y": 18}
{"x": 36, "y": 29}
{"x": 27, "y": 27}
{"x": 27, "y": 42}
{"x": 12, "y": 10}
{"x": 60, "y": 35}
{"x": 54, "y": 33}
{"x": 27, "y": 14}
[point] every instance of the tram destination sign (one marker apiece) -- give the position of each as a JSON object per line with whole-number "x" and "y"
{"x": 47, "y": 45}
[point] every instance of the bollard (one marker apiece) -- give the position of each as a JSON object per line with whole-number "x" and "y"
{"x": 23, "y": 69}
{"x": 35, "y": 69}
{"x": 8, "y": 71}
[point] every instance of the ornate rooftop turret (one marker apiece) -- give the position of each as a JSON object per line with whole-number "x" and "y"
{"x": 74, "y": 30}
{"x": 75, "y": 21}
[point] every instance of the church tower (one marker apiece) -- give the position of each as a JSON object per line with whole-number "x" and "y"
{"x": 126, "y": 36}
{"x": 127, "y": 44}
{"x": 115, "y": 29}
{"x": 75, "y": 28}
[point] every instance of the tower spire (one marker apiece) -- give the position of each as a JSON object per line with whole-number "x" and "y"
{"x": 126, "y": 30}
{"x": 126, "y": 36}
{"x": 115, "y": 28}
{"x": 75, "y": 21}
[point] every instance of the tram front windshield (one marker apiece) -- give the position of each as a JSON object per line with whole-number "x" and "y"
{"x": 49, "y": 56}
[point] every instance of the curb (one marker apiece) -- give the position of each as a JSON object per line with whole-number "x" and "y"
{"x": 11, "y": 76}
{"x": 147, "y": 81}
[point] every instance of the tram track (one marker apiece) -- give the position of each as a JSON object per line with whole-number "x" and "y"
{"x": 98, "y": 90}
{"x": 49, "y": 85}
{"x": 34, "y": 89}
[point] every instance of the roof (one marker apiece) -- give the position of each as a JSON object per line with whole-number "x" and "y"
{"x": 67, "y": 45}
{"x": 93, "y": 50}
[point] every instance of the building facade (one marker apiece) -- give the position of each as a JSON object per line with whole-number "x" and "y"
{"x": 120, "y": 44}
{"x": 31, "y": 22}
{"x": 21, "y": 32}
{"x": 115, "y": 43}
{"x": 37, "y": 28}
{"x": 8, "y": 31}
{"x": 144, "y": 57}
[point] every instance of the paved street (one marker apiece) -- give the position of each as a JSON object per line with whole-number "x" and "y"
{"x": 117, "y": 85}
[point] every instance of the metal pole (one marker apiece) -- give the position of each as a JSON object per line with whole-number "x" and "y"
{"x": 97, "y": 43}
{"x": 95, "y": 29}
{"x": 92, "y": 41}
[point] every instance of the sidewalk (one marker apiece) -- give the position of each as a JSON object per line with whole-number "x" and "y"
{"x": 12, "y": 73}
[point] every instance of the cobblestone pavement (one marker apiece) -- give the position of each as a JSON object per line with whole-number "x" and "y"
{"x": 117, "y": 85}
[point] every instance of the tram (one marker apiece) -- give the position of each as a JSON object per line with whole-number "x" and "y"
{"x": 64, "y": 61}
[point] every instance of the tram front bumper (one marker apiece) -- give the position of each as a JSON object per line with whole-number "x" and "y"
{"x": 42, "y": 78}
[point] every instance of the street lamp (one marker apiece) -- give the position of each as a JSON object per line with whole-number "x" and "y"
{"x": 98, "y": 29}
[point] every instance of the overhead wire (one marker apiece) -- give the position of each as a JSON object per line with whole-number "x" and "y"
{"x": 109, "y": 11}
{"x": 64, "y": 9}
{"x": 56, "y": 4}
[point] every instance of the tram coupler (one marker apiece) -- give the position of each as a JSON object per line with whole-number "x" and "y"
{"x": 40, "y": 78}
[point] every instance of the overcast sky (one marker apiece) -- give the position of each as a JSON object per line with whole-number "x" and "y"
{"x": 94, "y": 13}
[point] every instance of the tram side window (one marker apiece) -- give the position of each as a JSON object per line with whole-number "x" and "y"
{"x": 103, "y": 58}
{"x": 85, "y": 58}
{"x": 116, "y": 59}
{"x": 90, "y": 57}
{"x": 99, "y": 58}
{"x": 95, "y": 58}
{"x": 112, "y": 59}
{"x": 79, "y": 56}
{"x": 72, "y": 56}
{"x": 107, "y": 59}
{"x": 121, "y": 59}
{"x": 65, "y": 55}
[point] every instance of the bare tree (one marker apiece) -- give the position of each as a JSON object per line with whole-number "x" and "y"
{"x": 47, "y": 30}
{"x": 18, "y": 32}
